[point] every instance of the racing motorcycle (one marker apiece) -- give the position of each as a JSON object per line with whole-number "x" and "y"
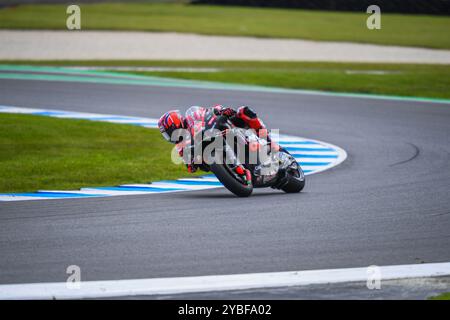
{"x": 229, "y": 147}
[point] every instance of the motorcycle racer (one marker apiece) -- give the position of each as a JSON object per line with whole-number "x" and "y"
{"x": 243, "y": 117}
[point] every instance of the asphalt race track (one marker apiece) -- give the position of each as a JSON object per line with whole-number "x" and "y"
{"x": 388, "y": 203}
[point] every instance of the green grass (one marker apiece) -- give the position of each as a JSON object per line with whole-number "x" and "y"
{"x": 397, "y": 29}
{"x": 39, "y": 152}
{"x": 419, "y": 81}
{"x": 443, "y": 296}
{"x": 432, "y": 81}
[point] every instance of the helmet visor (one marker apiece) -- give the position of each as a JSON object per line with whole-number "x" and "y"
{"x": 166, "y": 136}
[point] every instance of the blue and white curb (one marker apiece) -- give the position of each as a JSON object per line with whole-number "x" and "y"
{"x": 314, "y": 156}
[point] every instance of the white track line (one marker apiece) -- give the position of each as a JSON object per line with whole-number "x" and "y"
{"x": 211, "y": 179}
{"x": 20, "y": 198}
{"x": 164, "y": 185}
{"x": 160, "y": 286}
{"x": 96, "y": 192}
{"x": 327, "y": 153}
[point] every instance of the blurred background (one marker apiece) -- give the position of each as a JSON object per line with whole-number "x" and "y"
{"x": 402, "y": 6}
{"x": 303, "y": 44}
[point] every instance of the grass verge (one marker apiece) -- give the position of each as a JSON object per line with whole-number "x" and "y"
{"x": 443, "y": 296}
{"x": 416, "y": 81}
{"x": 39, "y": 152}
{"x": 422, "y": 80}
{"x": 397, "y": 29}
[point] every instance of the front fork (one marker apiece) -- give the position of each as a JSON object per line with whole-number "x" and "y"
{"x": 232, "y": 161}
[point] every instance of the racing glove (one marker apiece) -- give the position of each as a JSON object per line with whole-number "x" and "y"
{"x": 229, "y": 112}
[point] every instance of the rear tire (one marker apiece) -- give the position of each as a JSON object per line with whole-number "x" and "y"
{"x": 230, "y": 182}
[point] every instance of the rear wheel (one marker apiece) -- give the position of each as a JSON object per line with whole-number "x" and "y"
{"x": 228, "y": 179}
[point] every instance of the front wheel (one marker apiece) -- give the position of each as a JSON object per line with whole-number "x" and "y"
{"x": 230, "y": 182}
{"x": 296, "y": 181}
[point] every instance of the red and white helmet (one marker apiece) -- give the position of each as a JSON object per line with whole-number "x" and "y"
{"x": 169, "y": 122}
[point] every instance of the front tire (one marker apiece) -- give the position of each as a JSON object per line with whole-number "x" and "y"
{"x": 230, "y": 182}
{"x": 296, "y": 182}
